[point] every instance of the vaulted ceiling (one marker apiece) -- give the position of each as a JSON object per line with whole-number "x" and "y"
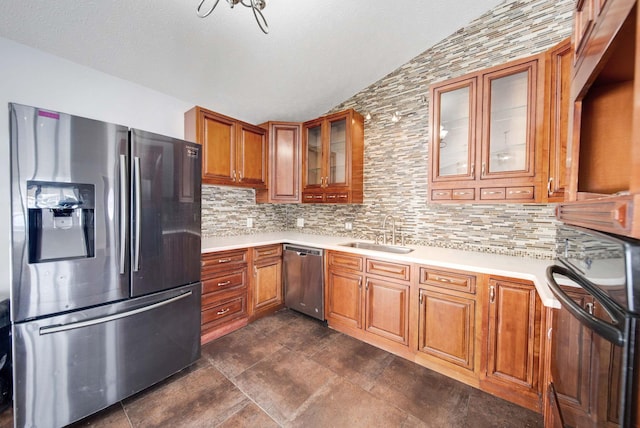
{"x": 317, "y": 53}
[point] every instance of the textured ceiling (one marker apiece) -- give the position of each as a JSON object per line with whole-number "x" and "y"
{"x": 317, "y": 53}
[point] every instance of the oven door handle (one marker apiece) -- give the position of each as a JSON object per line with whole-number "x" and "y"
{"x": 602, "y": 328}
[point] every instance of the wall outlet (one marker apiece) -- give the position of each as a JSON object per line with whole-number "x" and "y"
{"x": 300, "y": 222}
{"x": 348, "y": 225}
{"x": 249, "y": 222}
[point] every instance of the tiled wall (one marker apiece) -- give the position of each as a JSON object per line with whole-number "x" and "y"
{"x": 396, "y": 154}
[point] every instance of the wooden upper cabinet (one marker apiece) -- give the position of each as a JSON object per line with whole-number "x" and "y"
{"x": 333, "y": 157}
{"x": 285, "y": 163}
{"x": 487, "y": 135}
{"x": 604, "y": 174}
{"x": 234, "y": 152}
{"x": 583, "y": 17}
{"x": 559, "y": 65}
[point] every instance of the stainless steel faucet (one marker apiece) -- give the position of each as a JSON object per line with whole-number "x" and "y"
{"x": 393, "y": 229}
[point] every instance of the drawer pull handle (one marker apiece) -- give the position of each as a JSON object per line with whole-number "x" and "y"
{"x": 441, "y": 279}
{"x": 224, "y": 260}
{"x": 461, "y": 193}
{"x": 224, "y": 311}
{"x": 492, "y": 294}
{"x": 343, "y": 196}
{"x": 493, "y": 192}
{"x": 442, "y": 193}
{"x": 222, "y": 284}
{"x": 331, "y": 196}
{"x": 519, "y": 192}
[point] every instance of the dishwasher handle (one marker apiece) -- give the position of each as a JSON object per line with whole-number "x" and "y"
{"x": 303, "y": 251}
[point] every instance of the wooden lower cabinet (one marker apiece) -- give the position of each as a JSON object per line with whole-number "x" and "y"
{"x": 224, "y": 293}
{"x": 239, "y": 286}
{"x": 362, "y": 300}
{"x": 512, "y": 358}
{"x": 266, "y": 287}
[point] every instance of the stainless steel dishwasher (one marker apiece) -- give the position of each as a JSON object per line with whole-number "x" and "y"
{"x": 304, "y": 280}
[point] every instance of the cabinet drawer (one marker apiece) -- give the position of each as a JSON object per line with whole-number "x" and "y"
{"x": 313, "y": 197}
{"x": 230, "y": 309}
{"x": 493, "y": 193}
{"x": 214, "y": 262}
{"x": 345, "y": 261}
{"x": 266, "y": 252}
{"x": 389, "y": 269}
{"x": 337, "y": 198}
{"x": 463, "y": 194}
{"x": 441, "y": 195}
{"x": 525, "y": 192}
{"x": 212, "y": 287}
{"x": 449, "y": 280}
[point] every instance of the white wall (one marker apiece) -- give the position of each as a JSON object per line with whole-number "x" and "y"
{"x": 32, "y": 77}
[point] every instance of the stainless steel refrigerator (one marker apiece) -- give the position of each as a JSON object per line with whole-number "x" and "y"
{"x": 105, "y": 297}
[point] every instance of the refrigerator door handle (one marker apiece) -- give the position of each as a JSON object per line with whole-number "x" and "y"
{"x": 124, "y": 185}
{"x": 87, "y": 323}
{"x": 138, "y": 213}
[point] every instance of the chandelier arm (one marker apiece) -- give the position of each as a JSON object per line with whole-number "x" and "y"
{"x": 201, "y": 15}
{"x": 257, "y": 13}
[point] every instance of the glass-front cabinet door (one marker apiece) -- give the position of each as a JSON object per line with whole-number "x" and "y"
{"x": 313, "y": 155}
{"x": 508, "y": 134}
{"x": 454, "y": 130}
{"x": 337, "y": 156}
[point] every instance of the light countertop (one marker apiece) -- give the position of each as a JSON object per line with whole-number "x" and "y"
{"x": 486, "y": 263}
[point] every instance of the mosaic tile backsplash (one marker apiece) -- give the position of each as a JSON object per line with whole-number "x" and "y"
{"x": 397, "y": 158}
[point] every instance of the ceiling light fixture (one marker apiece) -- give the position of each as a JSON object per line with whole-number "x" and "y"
{"x": 255, "y": 5}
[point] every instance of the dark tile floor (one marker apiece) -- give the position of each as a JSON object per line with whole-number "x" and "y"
{"x": 289, "y": 370}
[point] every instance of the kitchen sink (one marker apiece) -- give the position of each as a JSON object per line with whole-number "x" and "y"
{"x": 379, "y": 247}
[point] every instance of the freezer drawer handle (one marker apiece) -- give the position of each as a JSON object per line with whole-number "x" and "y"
{"x": 87, "y": 323}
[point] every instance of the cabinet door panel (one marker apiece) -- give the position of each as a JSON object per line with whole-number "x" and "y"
{"x": 219, "y": 152}
{"x": 267, "y": 288}
{"x": 560, "y": 64}
{"x": 447, "y": 327}
{"x": 387, "y": 310}
{"x": 313, "y": 155}
{"x": 285, "y": 163}
{"x": 514, "y": 316}
{"x": 508, "y": 126}
{"x": 344, "y": 298}
{"x": 453, "y": 131}
{"x": 338, "y": 156}
{"x": 571, "y": 356}
{"x": 251, "y": 155}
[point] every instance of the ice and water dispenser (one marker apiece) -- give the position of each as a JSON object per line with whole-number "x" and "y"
{"x": 61, "y": 221}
